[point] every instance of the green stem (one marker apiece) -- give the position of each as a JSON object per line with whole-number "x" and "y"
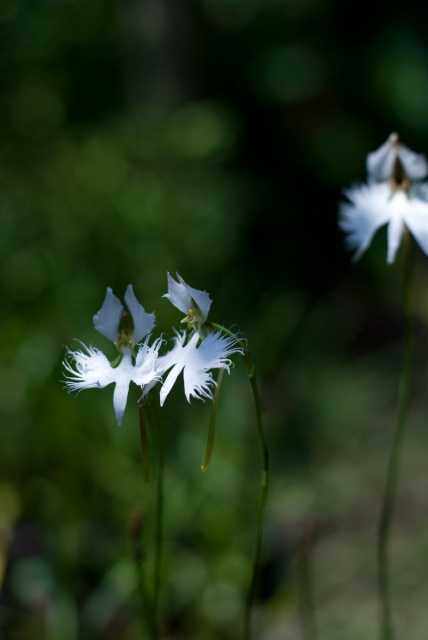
{"x": 263, "y": 495}
{"x": 213, "y": 419}
{"x": 145, "y": 456}
{"x": 385, "y": 631}
{"x": 159, "y": 512}
{"x": 136, "y": 525}
{"x": 148, "y": 621}
{"x": 251, "y": 371}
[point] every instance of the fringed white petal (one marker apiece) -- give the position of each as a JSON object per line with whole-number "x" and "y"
{"x": 143, "y": 322}
{"x": 142, "y": 373}
{"x": 181, "y": 296}
{"x": 367, "y": 211}
{"x": 165, "y": 362}
{"x": 146, "y": 369}
{"x": 92, "y": 370}
{"x": 374, "y": 205}
{"x": 124, "y": 375}
{"x": 177, "y": 356}
{"x": 212, "y": 353}
{"x": 107, "y": 319}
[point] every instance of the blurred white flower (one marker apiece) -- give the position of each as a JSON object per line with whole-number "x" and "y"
{"x": 382, "y": 163}
{"x": 371, "y": 206}
{"x": 394, "y": 196}
{"x": 205, "y": 349}
{"x": 142, "y": 367}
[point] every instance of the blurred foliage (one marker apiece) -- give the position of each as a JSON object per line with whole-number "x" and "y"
{"x": 212, "y": 138}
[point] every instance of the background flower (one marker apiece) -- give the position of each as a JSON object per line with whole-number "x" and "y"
{"x": 372, "y": 206}
{"x": 398, "y": 199}
{"x": 381, "y": 164}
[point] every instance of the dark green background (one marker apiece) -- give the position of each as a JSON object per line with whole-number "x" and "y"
{"x": 212, "y": 138}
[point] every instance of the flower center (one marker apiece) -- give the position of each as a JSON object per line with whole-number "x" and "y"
{"x": 399, "y": 180}
{"x": 124, "y": 341}
{"x": 193, "y": 316}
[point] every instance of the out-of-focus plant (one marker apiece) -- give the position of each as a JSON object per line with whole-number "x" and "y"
{"x": 397, "y": 197}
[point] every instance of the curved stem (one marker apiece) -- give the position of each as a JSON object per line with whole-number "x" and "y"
{"x": 251, "y": 371}
{"x": 145, "y": 456}
{"x": 159, "y": 512}
{"x": 213, "y": 419}
{"x": 135, "y": 529}
{"x": 385, "y": 631}
{"x": 263, "y": 496}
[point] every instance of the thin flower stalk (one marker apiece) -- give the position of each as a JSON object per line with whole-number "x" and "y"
{"x": 213, "y": 420}
{"x": 135, "y": 528}
{"x": 145, "y": 455}
{"x": 397, "y": 196}
{"x": 384, "y": 591}
{"x": 159, "y": 507}
{"x": 264, "y": 485}
{"x": 203, "y": 347}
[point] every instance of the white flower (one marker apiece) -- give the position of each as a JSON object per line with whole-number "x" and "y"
{"x": 381, "y": 164}
{"x": 196, "y": 361}
{"x": 397, "y": 199}
{"x": 108, "y": 319}
{"x": 194, "y": 303}
{"x": 204, "y": 351}
{"x": 93, "y": 368}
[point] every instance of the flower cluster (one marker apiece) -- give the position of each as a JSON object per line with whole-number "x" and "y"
{"x": 394, "y": 195}
{"x": 196, "y": 351}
